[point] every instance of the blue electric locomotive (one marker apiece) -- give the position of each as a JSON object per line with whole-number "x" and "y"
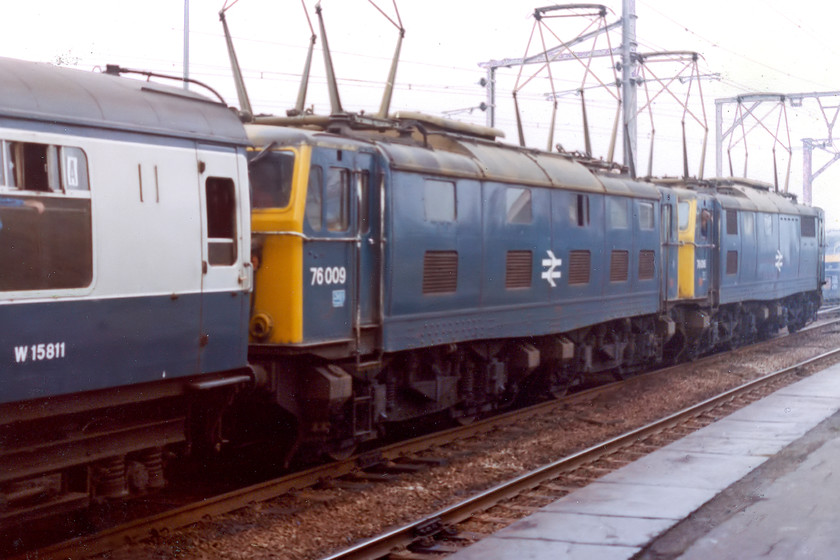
{"x": 417, "y": 266}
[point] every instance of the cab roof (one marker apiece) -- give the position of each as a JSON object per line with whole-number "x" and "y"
{"x": 463, "y": 156}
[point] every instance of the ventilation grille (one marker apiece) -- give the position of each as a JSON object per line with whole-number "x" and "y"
{"x": 647, "y": 265}
{"x": 440, "y": 272}
{"x": 518, "y": 269}
{"x": 579, "y": 267}
{"x": 619, "y": 266}
{"x": 732, "y": 262}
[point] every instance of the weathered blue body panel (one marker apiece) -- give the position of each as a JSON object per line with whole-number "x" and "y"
{"x": 769, "y": 247}
{"x": 512, "y": 246}
{"x": 59, "y": 347}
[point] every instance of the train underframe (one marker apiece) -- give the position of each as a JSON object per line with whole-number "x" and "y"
{"x": 66, "y": 453}
{"x": 109, "y": 445}
{"x": 331, "y": 406}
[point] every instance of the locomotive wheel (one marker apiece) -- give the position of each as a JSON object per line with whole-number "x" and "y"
{"x": 340, "y": 451}
{"x": 466, "y": 419}
{"x": 559, "y": 384}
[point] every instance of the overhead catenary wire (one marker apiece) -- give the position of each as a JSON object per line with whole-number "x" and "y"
{"x": 715, "y": 44}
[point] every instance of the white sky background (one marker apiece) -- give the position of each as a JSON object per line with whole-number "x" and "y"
{"x": 755, "y": 45}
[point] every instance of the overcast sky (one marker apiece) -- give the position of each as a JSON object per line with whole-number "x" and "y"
{"x": 754, "y": 46}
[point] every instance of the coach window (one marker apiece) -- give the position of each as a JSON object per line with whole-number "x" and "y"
{"x": 748, "y": 219}
{"x": 731, "y": 222}
{"x": 646, "y": 215}
{"x": 363, "y": 180}
{"x": 270, "y": 174}
{"x": 683, "y": 209}
{"x": 45, "y": 241}
{"x": 221, "y": 221}
{"x": 579, "y": 210}
{"x": 313, "y": 198}
{"x": 337, "y": 199}
{"x": 439, "y": 201}
{"x": 808, "y": 226}
{"x": 518, "y": 205}
{"x": 768, "y": 224}
{"x": 34, "y": 166}
{"x": 665, "y": 226}
{"x": 617, "y": 208}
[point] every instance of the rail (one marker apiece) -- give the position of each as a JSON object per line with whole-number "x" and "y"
{"x": 168, "y": 521}
{"x": 404, "y": 536}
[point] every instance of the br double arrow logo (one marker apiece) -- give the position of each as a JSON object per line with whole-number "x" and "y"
{"x": 551, "y": 264}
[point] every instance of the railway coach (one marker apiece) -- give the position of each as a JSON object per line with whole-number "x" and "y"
{"x": 124, "y": 285}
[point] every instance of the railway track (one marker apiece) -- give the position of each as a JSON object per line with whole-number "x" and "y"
{"x": 391, "y": 459}
{"x": 432, "y": 535}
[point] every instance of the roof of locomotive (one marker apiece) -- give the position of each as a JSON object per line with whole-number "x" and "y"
{"x": 43, "y": 92}
{"x": 747, "y": 194}
{"x": 462, "y": 156}
{"x": 739, "y": 194}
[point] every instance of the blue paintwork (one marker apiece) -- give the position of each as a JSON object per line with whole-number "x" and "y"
{"x": 831, "y": 290}
{"x": 669, "y": 235}
{"x": 482, "y": 307}
{"x": 775, "y": 261}
{"x": 329, "y": 307}
{"x": 117, "y": 342}
{"x": 705, "y": 269}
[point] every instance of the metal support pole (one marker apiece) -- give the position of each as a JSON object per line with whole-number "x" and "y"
{"x": 491, "y": 97}
{"x": 807, "y": 168}
{"x": 628, "y": 82}
{"x": 718, "y": 138}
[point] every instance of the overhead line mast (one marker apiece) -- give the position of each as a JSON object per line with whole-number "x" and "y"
{"x": 628, "y": 80}
{"x": 629, "y": 68}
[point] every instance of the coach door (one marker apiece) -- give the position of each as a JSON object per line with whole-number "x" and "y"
{"x": 225, "y": 282}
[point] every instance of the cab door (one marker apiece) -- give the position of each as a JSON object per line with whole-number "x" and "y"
{"x": 330, "y": 246}
{"x": 225, "y": 260}
{"x": 368, "y": 187}
{"x": 670, "y": 245}
{"x": 704, "y": 247}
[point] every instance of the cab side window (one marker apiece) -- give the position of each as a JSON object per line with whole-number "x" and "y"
{"x": 705, "y": 223}
{"x": 270, "y": 174}
{"x": 314, "y": 207}
{"x": 439, "y": 201}
{"x": 337, "y": 199}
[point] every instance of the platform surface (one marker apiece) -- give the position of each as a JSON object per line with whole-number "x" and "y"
{"x": 759, "y": 483}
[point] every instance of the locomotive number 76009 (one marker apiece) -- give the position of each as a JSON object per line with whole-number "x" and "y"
{"x": 328, "y": 275}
